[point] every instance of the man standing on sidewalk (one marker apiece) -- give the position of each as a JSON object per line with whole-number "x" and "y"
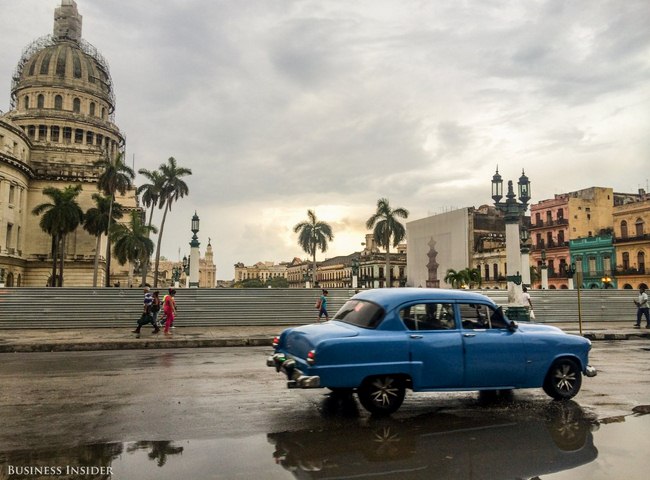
{"x": 642, "y": 308}
{"x": 147, "y": 315}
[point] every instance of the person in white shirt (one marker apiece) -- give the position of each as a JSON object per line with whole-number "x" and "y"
{"x": 642, "y": 308}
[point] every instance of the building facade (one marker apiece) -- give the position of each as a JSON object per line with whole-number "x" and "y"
{"x": 60, "y": 123}
{"x": 568, "y": 216}
{"x": 631, "y": 222}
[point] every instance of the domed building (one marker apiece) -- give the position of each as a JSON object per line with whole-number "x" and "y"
{"x": 60, "y": 123}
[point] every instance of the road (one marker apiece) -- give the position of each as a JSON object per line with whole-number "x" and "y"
{"x": 66, "y": 400}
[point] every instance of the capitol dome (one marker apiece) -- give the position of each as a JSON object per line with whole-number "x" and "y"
{"x": 63, "y": 61}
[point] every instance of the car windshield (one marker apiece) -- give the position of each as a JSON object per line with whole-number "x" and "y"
{"x": 360, "y": 313}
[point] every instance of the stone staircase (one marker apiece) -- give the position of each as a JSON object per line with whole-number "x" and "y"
{"x": 114, "y": 307}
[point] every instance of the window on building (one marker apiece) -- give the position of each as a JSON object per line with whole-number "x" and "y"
{"x": 76, "y": 64}
{"x": 99, "y": 139}
{"x": 538, "y": 219}
{"x": 67, "y": 135}
{"x": 495, "y": 271}
{"x": 549, "y": 239}
{"x": 89, "y": 138}
{"x": 607, "y": 265}
{"x": 560, "y": 237}
{"x": 538, "y": 240}
{"x": 563, "y": 266}
{"x": 40, "y": 101}
{"x": 58, "y": 102}
{"x": 640, "y": 261}
{"x": 623, "y": 229}
{"x": 12, "y": 194}
{"x": 560, "y": 214}
{"x": 42, "y": 132}
{"x": 54, "y": 133}
{"x": 626, "y": 260}
{"x": 31, "y": 131}
{"x": 551, "y": 266}
{"x": 76, "y": 105}
{"x": 78, "y": 135}
{"x": 549, "y": 217}
{"x": 92, "y": 109}
{"x": 26, "y": 102}
{"x": 638, "y": 226}
{"x": 592, "y": 266}
{"x": 487, "y": 272}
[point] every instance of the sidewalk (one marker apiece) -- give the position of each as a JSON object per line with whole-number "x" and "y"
{"x": 52, "y": 340}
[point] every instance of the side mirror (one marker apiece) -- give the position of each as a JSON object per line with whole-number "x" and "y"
{"x": 513, "y": 326}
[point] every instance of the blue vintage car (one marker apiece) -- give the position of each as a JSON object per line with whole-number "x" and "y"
{"x": 383, "y": 341}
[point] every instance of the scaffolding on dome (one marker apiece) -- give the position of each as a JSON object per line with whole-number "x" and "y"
{"x": 48, "y": 41}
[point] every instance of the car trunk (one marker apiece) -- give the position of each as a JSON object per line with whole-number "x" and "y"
{"x": 300, "y": 340}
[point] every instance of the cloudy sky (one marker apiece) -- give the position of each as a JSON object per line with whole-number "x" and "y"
{"x": 281, "y": 106}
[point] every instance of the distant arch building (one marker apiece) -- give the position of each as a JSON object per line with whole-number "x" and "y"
{"x": 61, "y": 121}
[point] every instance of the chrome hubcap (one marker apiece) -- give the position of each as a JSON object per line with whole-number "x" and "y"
{"x": 384, "y": 392}
{"x": 565, "y": 378}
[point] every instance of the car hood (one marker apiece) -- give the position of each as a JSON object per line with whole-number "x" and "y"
{"x": 537, "y": 327}
{"x": 299, "y": 341}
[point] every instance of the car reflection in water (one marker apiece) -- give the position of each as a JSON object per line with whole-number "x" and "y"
{"x": 492, "y": 444}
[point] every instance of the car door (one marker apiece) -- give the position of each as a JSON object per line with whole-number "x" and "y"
{"x": 435, "y": 345}
{"x": 494, "y": 355}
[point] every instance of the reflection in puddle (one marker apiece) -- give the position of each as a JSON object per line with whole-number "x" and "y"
{"x": 500, "y": 444}
{"x": 556, "y": 441}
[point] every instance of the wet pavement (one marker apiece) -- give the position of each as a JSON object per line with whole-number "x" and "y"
{"x": 45, "y": 340}
{"x": 220, "y": 413}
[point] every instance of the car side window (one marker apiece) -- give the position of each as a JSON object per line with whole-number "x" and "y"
{"x": 475, "y": 316}
{"x": 428, "y": 316}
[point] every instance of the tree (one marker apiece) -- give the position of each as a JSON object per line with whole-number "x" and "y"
{"x": 313, "y": 235}
{"x": 385, "y": 225}
{"x": 96, "y": 222}
{"x": 456, "y": 278}
{"x": 474, "y": 277}
{"x": 173, "y": 188}
{"x": 60, "y": 216}
{"x": 132, "y": 242}
{"x": 150, "y": 196}
{"x": 116, "y": 177}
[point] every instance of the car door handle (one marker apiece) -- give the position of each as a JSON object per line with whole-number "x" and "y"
{"x": 417, "y": 336}
{"x": 469, "y": 334}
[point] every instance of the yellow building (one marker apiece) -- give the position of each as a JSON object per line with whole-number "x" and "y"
{"x": 60, "y": 123}
{"x": 632, "y": 242}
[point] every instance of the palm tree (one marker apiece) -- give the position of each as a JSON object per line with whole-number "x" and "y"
{"x": 96, "y": 222}
{"x": 132, "y": 242}
{"x": 457, "y": 278}
{"x": 173, "y": 188}
{"x": 61, "y": 216}
{"x": 313, "y": 235}
{"x": 116, "y": 177}
{"x": 385, "y": 226}
{"x": 150, "y": 196}
{"x": 473, "y": 277}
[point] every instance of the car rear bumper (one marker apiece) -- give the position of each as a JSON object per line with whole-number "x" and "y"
{"x": 296, "y": 378}
{"x": 590, "y": 371}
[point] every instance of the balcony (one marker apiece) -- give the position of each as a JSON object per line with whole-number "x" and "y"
{"x": 549, "y": 223}
{"x": 636, "y": 238}
{"x": 548, "y": 245}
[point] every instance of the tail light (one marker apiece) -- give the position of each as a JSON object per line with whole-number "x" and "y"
{"x": 311, "y": 357}
{"x": 276, "y": 341}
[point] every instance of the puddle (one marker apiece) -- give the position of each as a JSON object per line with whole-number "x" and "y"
{"x": 560, "y": 442}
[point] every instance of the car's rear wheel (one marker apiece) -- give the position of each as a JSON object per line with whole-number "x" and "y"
{"x": 563, "y": 380}
{"x": 382, "y": 395}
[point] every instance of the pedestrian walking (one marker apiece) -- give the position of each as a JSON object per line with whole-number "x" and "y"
{"x": 642, "y": 308}
{"x": 527, "y": 303}
{"x": 155, "y": 308}
{"x": 321, "y": 305}
{"x": 169, "y": 307}
{"x": 147, "y": 315}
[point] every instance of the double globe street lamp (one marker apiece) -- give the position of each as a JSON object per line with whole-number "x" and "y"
{"x": 513, "y": 210}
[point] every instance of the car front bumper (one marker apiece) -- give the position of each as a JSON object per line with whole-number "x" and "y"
{"x": 296, "y": 378}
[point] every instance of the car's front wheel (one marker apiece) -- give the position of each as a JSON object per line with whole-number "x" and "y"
{"x": 563, "y": 379}
{"x": 382, "y": 395}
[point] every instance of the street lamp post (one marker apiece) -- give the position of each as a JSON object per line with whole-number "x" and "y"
{"x": 194, "y": 253}
{"x": 607, "y": 281}
{"x": 571, "y": 272}
{"x": 545, "y": 271}
{"x": 525, "y": 257}
{"x": 513, "y": 210}
{"x": 355, "y": 273}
